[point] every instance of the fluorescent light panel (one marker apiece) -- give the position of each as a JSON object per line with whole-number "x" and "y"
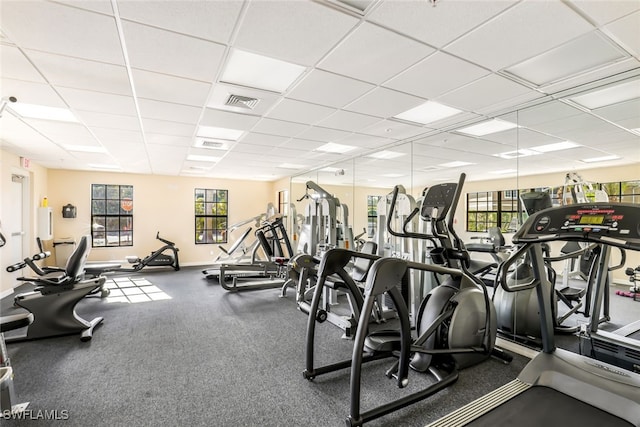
{"x": 504, "y": 171}
{"x": 386, "y": 155}
{"x": 428, "y": 112}
{"x": 201, "y": 158}
{"x": 600, "y": 159}
{"x": 219, "y": 133}
{"x": 610, "y": 95}
{"x": 261, "y": 72}
{"x": 455, "y": 164}
{"x": 488, "y": 127}
{"x": 331, "y": 147}
{"x": 558, "y": 146}
{"x": 103, "y": 166}
{"x": 291, "y": 166}
{"x": 392, "y": 175}
{"x": 33, "y": 111}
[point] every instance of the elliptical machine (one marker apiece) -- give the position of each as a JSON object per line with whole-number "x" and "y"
{"x": 456, "y": 325}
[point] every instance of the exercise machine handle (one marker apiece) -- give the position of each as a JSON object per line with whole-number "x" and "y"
{"x": 504, "y": 267}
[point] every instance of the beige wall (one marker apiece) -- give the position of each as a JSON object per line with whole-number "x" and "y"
{"x": 165, "y": 204}
{"x": 161, "y": 203}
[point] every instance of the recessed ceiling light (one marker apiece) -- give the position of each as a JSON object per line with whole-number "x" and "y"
{"x": 564, "y": 145}
{"x": 392, "y": 175}
{"x": 32, "y": 111}
{"x": 600, "y": 159}
{"x": 85, "y": 148}
{"x": 428, "y": 112}
{"x": 103, "y": 166}
{"x": 386, "y": 155}
{"x": 517, "y": 154}
{"x": 201, "y": 158}
{"x": 331, "y": 147}
{"x": 261, "y": 72}
{"x": 488, "y": 127}
{"x": 219, "y": 133}
{"x": 609, "y": 95}
{"x": 455, "y": 164}
{"x": 329, "y": 169}
{"x": 291, "y": 166}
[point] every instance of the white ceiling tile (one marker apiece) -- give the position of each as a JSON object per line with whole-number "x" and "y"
{"x": 99, "y": 102}
{"x": 228, "y": 120}
{"x": 279, "y": 127}
{"x": 435, "y": 75}
{"x": 210, "y": 20}
{"x": 626, "y": 31}
{"x": 484, "y": 93}
{"x": 170, "y": 89}
{"x": 302, "y": 145}
{"x": 107, "y": 136}
{"x": 392, "y": 54}
{"x": 532, "y": 28}
{"x": 262, "y": 139}
{"x": 393, "y": 129}
{"x": 168, "y": 128}
{"x": 321, "y": 87}
{"x": 110, "y": 121}
{"x": 365, "y": 141}
{"x": 102, "y": 6}
{"x": 301, "y": 112}
{"x": 305, "y": 30}
{"x": 163, "y": 139}
{"x": 31, "y": 93}
{"x": 150, "y": 109}
{"x": 438, "y": 25}
{"x": 544, "y": 113}
{"x": 348, "y": 121}
{"x": 62, "y": 30}
{"x": 384, "y": 103}
{"x": 171, "y": 53}
{"x": 64, "y": 133}
{"x": 16, "y": 66}
{"x": 620, "y": 111}
{"x": 603, "y": 12}
{"x": 82, "y": 74}
{"x": 319, "y": 133}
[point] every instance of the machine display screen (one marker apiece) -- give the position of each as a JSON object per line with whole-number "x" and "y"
{"x": 592, "y": 219}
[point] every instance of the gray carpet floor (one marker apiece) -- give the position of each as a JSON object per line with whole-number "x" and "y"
{"x": 213, "y": 358}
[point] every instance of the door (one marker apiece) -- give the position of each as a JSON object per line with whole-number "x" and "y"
{"x": 16, "y": 222}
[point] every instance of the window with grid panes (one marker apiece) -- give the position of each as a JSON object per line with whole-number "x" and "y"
{"x": 372, "y": 215}
{"x": 111, "y": 215}
{"x": 211, "y": 215}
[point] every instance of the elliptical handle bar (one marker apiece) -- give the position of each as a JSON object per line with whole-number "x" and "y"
{"x": 503, "y": 269}
{"x": 392, "y": 208}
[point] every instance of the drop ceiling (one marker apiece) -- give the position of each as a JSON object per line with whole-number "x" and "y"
{"x": 148, "y": 80}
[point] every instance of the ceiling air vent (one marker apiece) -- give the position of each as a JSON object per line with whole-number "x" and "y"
{"x": 242, "y": 101}
{"x": 212, "y": 144}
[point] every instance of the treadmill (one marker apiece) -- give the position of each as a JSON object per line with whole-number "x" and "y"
{"x": 558, "y": 387}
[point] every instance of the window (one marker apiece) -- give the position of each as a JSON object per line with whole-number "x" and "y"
{"x": 483, "y": 210}
{"x": 372, "y": 215}
{"x": 210, "y": 216}
{"x": 283, "y": 202}
{"x": 502, "y": 208}
{"x": 111, "y": 215}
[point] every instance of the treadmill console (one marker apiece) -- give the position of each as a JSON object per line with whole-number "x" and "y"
{"x": 607, "y": 223}
{"x": 437, "y": 201}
